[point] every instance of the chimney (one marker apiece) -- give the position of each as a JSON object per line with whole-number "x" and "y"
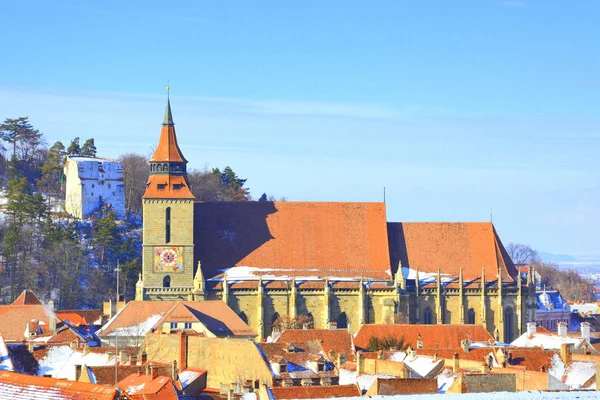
{"x": 419, "y": 342}
{"x": 456, "y": 360}
{"x": 86, "y": 349}
{"x": 341, "y": 360}
{"x": 153, "y": 371}
{"x": 585, "y": 330}
{"x": 122, "y": 357}
{"x": 183, "y": 350}
{"x": 531, "y": 328}
{"x": 562, "y": 328}
{"x": 380, "y": 355}
{"x": 174, "y": 371}
{"x": 132, "y": 360}
{"x": 465, "y": 344}
{"x": 31, "y": 347}
{"x": 510, "y": 356}
{"x": 565, "y": 353}
{"x": 73, "y": 345}
{"x": 144, "y": 357}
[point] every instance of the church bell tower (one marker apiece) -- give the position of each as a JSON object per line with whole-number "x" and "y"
{"x": 168, "y": 232}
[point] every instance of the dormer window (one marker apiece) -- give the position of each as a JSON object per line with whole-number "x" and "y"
{"x": 321, "y": 367}
{"x": 283, "y": 367}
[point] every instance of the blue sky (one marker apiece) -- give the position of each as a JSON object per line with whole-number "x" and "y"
{"x": 458, "y": 108}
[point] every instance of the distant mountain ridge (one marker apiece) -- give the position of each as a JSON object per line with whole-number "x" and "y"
{"x": 551, "y": 257}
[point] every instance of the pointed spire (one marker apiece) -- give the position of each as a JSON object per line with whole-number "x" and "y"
{"x": 168, "y": 116}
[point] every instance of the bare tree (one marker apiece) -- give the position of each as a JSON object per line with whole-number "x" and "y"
{"x": 521, "y": 253}
{"x": 135, "y": 176}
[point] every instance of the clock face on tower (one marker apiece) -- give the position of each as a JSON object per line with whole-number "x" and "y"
{"x": 168, "y": 259}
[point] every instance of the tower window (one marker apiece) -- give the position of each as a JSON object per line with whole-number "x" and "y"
{"x": 177, "y": 186}
{"x": 161, "y": 186}
{"x": 168, "y": 225}
{"x": 167, "y": 281}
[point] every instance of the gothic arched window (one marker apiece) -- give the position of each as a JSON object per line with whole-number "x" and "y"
{"x": 167, "y": 281}
{"x": 168, "y": 225}
{"x": 471, "y": 316}
{"x": 427, "y": 316}
{"x": 508, "y": 324}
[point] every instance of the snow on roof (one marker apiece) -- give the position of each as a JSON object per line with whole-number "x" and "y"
{"x": 422, "y": 365}
{"x": 244, "y": 273}
{"x": 6, "y": 363}
{"x": 445, "y": 380}
{"x": 188, "y": 376}
{"x": 546, "y": 341}
{"x": 585, "y": 308}
{"x": 532, "y": 395}
{"x": 60, "y": 362}
{"x": 578, "y": 373}
{"x": 364, "y": 381}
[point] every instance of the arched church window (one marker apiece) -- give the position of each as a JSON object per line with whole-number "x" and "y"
{"x": 168, "y": 225}
{"x": 427, "y": 316}
{"x": 471, "y": 316}
{"x": 342, "y": 321}
{"x": 167, "y": 281}
{"x": 508, "y": 324}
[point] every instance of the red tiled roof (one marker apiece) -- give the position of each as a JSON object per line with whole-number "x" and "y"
{"x": 168, "y": 149}
{"x": 169, "y": 191}
{"x": 529, "y": 358}
{"x": 214, "y": 314}
{"x": 432, "y": 335}
{"x": 18, "y": 386}
{"x": 302, "y": 353}
{"x": 142, "y": 387}
{"x": 427, "y": 246}
{"x": 338, "y": 341}
{"x": 79, "y": 317}
{"x": 27, "y": 298}
{"x": 14, "y": 319}
{"x": 304, "y": 238}
{"x": 314, "y": 392}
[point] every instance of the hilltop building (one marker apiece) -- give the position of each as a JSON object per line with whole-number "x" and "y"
{"x": 332, "y": 263}
{"x": 93, "y": 185}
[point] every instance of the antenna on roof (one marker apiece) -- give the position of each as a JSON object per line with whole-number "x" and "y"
{"x": 384, "y": 194}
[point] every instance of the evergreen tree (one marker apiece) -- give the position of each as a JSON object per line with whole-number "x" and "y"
{"x": 74, "y": 149}
{"x": 263, "y": 197}
{"x": 21, "y": 135}
{"x": 106, "y": 238}
{"x": 89, "y": 148}
{"x": 52, "y": 169}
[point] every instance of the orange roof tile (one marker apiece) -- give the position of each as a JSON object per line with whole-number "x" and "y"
{"x": 396, "y": 386}
{"x": 170, "y": 190}
{"x": 79, "y": 317}
{"x": 314, "y": 392}
{"x": 432, "y": 335}
{"x": 14, "y": 319}
{"x": 427, "y": 246}
{"x": 215, "y": 315}
{"x": 338, "y": 341}
{"x": 27, "y": 298}
{"x": 303, "y": 238}
{"x": 528, "y": 358}
{"x": 14, "y": 385}
{"x": 168, "y": 149}
{"x": 141, "y": 387}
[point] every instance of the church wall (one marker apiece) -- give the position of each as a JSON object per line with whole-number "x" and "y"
{"x": 346, "y": 306}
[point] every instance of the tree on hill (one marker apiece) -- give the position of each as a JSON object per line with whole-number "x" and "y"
{"x": 214, "y": 185}
{"x": 89, "y": 148}
{"x": 52, "y": 169}
{"x": 571, "y": 285}
{"x": 74, "y": 148}
{"x": 135, "y": 176}
{"x": 25, "y": 141}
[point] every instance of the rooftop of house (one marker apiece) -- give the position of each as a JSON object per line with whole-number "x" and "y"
{"x": 450, "y": 246}
{"x": 300, "y": 360}
{"x": 15, "y": 385}
{"x": 140, "y": 386}
{"x": 80, "y": 317}
{"x": 313, "y": 392}
{"x": 139, "y": 317}
{"x": 440, "y": 336}
{"x": 396, "y": 386}
{"x": 549, "y": 340}
{"x": 281, "y": 240}
{"x": 551, "y": 300}
{"x": 333, "y": 341}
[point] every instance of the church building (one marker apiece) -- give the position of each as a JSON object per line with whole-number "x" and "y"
{"x": 328, "y": 264}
